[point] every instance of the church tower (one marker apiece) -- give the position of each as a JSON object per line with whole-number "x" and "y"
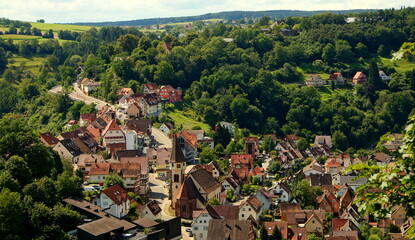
{"x": 177, "y": 166}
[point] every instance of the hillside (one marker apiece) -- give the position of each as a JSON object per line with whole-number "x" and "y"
{"x": 231, "y": 15}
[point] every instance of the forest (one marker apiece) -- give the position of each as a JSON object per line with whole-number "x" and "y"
{"x": 253, "y": 81}
{"x": 229, "y": 15}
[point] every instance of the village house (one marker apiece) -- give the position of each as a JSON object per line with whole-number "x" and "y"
{"x": 229, "y": 126}
{"x": 129, "y": 172}
{"x": 282, "y": 226}
{"x": 252, "y": 206}
{"x": 150, "y": 105}
{"x": 48, "y": 139}
{"x": 87, "y": 118}
{"x": 230, "y": 184}
{"x": 114, "y": 200}
{"x": 189, "y": 140}
{"x": 169, "y": 94}
{"x": 359, "y": 78}
{"x": 113, "y": 133}
{"x": 125, "y": 92}
{"x": 232, "y": 229}
{"x": 265, "y": 198}
{"x": 89, "y": 85}
{"x": 151, "y": 88}
{"x": 85, "y": 162}
{"x": 337, "y": 78}
{"x": 151, "y": 211}
{"x": 314, "y": 80}
{"x": 329, "y": 203}
{"x": 134, "y": 110}
{"x": 159, "y": 161}
{"x": 281, "y": 191}
{"x": 384, "y": 77}
{"x": 381, "y": 159}
{"x": 166, "y": 127}
{"x": 201, "y": 221}
{"x": 71, "y": 148}
{"x": 201, "y": 218}
{"x": 313, "y": 168}
{"x": 323, "y": 140}
{"x": 102, "y": 226}
{"x": 332, "y": 166}
{"x": 314, "y": 225}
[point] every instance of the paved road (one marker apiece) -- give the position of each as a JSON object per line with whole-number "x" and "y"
{"x": 160, "y": 193}
{"x": 78, "y": 95}
{"x": 161, "y": 138}
{"x": 56, "y": 89}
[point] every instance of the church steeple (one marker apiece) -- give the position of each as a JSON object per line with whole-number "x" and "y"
{"x": 177, "y": 167}
{"x": 177, "y": 155}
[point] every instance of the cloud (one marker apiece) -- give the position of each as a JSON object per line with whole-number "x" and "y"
{"x": 116, "y": 10}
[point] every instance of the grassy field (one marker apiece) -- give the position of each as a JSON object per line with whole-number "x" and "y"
{"x": 32, "y": 64}
{"x": 17, "y": 38}
{"x": 400, "y": 65}
{"x": 58, "y": 27}
{"x": 187, "y": 119}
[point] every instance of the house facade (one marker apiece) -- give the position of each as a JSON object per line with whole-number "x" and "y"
{"x": 113, "y": 134}
{"x": 315, "y": 81}
{"x": 359, "y": 78}
{"x": 114, "y": 200}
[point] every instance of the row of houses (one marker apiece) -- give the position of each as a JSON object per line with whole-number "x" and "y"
{"x": 315, "y": 80}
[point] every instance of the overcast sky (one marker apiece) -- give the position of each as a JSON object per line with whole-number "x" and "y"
{"x": 64, "y": 11}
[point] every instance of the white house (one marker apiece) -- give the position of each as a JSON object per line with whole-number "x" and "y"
{"x": 315, "y": 81}
{"x": 265, "y": 198}
{"x": 152, "y": 211}
{"x": 228, "y": 184}
{"x": 384, "y": 77}
{"x": 313, "y": 168}
{"x": 281, "y": 190}
{"x": 114, "y": 200}
{"x": 201, "y": 220}
{"x": 166, "y": 128}
{"x": 229, "y": 126}
{"x": 250, "y": 207}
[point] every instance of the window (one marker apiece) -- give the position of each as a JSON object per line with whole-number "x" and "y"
{"x": 178, "y": 166}
{"x": 243, "y": 215}
{"x": 176, "y": 177}
{"x": 195, "y": 228}
{"x": 200, "y": 235}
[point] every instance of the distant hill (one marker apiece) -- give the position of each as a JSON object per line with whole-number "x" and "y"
{"x": 232, "y": 15}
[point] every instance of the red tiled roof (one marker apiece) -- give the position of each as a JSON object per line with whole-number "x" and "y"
{"x": 283, "y": 226}
{"x": 100, "y": 169}
{"x": 337, "y": 223}
{"x": 49, "y": 138}
{"x": 117, "y": 194}
{"x": 112, "y": 125}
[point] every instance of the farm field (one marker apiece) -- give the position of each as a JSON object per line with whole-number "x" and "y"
{"x": 58, "y": 27}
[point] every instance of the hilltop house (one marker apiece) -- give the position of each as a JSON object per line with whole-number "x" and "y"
{"x": 384, "y": 77}
{"x": 314, "y": 81}
{"x": 337, "y": 78}
{"x": 359, "y": 78}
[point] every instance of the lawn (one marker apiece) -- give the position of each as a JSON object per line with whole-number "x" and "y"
{"x": 327, "y": 94}
{"x": 31, "y": 64}
{"x": 188, "y": 119}
{"x": 400, "y": 65}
